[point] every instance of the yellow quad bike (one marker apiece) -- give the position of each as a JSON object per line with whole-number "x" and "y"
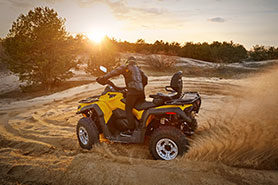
{"x": 167, "y": 121}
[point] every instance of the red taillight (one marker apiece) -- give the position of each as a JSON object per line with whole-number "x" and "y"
{"x": 171, "y": 113}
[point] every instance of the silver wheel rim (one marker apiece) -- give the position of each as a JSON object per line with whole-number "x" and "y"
{"x": 83, "y": 135}
{"x": 167, "y": 149}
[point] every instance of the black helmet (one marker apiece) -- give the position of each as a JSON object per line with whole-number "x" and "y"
{"x": 131, "y": 60}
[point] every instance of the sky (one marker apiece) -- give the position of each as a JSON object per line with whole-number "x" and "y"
{"x": 247, "y": 22}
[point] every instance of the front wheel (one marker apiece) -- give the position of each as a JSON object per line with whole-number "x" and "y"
{"x": 166, "y": 143}
{"x": 87, "y": 133}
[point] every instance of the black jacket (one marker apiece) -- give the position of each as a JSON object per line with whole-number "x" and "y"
{"x": 135, "y": 79}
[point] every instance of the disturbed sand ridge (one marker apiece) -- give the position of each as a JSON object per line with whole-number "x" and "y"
{"x": 247, "y": 135}
{"x": 38, "y": 144}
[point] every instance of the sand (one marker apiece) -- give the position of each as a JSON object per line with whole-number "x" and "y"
{"x": 235, "y": 143}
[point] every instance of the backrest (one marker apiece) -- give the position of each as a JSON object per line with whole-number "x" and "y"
{"x": 176, "y": 82}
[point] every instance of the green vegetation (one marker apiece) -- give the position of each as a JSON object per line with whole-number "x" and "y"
{"x": 105, "y": 54}
{"x": 158, "y": 47}
{"x": 218, "y": 52}
{"x": 39, "y": 49}
{"x": 262, "y": 53}
{"x": 2, "y": 64}
{"x": 42, "y": 53}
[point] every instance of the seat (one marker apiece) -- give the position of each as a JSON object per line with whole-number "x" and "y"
{"x": 175, "y": 88}
{"x": 165, "y": 97}
{"x": 144, "y": 105}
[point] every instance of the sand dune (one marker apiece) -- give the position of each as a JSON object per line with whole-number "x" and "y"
{"x": 245, "y": 134}
{"x": 236, "y": 142}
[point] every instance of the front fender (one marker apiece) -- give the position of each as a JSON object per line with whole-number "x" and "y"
{"x": 100, "y": 116}
{"x": 89, "y": 107}
{"x": 101, "y": 108}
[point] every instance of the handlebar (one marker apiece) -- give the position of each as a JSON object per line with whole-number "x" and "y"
{"x": 116, "y": 87}
{"x": 108, "y": 82}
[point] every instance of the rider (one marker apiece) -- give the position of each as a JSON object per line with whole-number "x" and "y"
{"x": 135, "y": 81}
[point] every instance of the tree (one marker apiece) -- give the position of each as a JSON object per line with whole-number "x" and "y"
{"x": 140, "y": 41}
{"x": 1, "y": 48}
{"x": 272, "y": 53}
{"x": 2, "y": 64}
{"x": 258, "y": 53}
{"x": 39, "y": 49}
{"x": 105, "y": 55}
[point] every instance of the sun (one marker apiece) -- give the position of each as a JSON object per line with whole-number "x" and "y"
{"x": 96, "y": 36}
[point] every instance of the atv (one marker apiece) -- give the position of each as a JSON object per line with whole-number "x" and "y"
{"x": 166, "y": 121}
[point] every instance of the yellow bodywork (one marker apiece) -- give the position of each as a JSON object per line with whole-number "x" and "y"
{"x": 182, "y": 107}
{"x": 109, "y": 102}
{"x": 112, "y": 101}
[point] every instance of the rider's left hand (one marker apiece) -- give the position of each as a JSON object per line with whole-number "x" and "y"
{"x": 101, "y": 80}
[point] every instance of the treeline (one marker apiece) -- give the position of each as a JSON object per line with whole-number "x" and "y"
{"x": 259, "y": 53}
{"x": 42, "y": 53}
{"x": 2, "y": 64}
{"x": 219, "y": 52}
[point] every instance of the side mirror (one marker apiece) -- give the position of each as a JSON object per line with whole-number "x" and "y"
{"x": 103, "y": 69}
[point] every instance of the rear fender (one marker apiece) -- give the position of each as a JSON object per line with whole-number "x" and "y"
{"x": 167, "y": 109}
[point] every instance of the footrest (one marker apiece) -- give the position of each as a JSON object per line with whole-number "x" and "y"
{"x": 136, "y": 137}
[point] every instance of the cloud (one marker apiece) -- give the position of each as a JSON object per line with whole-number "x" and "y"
{"x": 121, "y": 8}
{"x": 51, "y": 1}
{"x": 217, "y": 19}
{"x": 140, "y": 15}
{"x": 118, "y": 7}
{"x": 28, "y": 3}
{"x": 20, "y": 3}
{"x": 154, "y": 11}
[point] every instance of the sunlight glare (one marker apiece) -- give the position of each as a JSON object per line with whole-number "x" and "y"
{"x": 96, "y": 36}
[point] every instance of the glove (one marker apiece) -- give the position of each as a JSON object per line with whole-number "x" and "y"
{"x": 101, "y": 80}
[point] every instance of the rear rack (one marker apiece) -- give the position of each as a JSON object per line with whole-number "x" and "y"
{"x": 186, "y": 98}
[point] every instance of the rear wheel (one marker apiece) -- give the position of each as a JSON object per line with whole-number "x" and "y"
{"x": 87, "y": 133}
{"x": 166, "y": 143}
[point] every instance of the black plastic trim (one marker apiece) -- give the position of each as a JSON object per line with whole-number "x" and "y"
{"x": 100, "y": 114}
{"x": 177, "y": 110}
